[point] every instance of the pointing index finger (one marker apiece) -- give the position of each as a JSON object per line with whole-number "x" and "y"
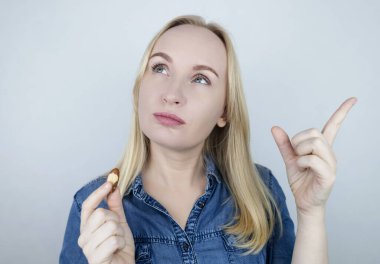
{"x": 92, "y": 202}
{"x": 333, "y": 124}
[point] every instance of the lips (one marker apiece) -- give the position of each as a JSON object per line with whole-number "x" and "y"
{"x": 169, "y": 119}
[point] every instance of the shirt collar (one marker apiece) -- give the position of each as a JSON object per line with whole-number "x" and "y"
{"x": 211, "y": 170}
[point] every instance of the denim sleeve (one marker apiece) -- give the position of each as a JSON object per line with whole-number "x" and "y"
{"x": 280, "y": 246}
{"x": 71, "y": 252}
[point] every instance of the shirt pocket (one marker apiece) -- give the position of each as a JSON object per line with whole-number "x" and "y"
{"x": 235, "y": 254}
{"x": 143, "y": 253}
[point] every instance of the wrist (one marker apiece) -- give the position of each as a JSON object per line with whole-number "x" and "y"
{"x": 312, "y": 217}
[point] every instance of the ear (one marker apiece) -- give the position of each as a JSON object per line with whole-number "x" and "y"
{"x": 222, "y": 120}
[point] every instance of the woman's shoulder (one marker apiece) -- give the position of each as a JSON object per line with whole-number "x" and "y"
{"x": 270, "y": 181}
{"x": 85, "y": 190}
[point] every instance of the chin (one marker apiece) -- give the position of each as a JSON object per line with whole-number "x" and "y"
{"x": 170, "y": 142}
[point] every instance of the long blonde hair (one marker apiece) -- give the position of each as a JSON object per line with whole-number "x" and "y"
{"x": 229, "y": 147}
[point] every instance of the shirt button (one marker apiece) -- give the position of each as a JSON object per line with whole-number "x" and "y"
{"x": 201, "y": 204}
{"x": 185, "y": 247}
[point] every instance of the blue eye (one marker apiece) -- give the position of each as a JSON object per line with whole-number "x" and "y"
{"x": 202, "y": 77}
{"x": 158, "y": 67}
{"x": 199, "y": 78}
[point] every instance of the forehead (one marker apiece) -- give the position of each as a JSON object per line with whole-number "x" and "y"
{"x": 193, "y": 45}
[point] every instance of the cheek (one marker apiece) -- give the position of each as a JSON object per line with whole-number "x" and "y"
{"x": 146, "y": 96}
{"x": 149, "y": 89}
{"x": 209, "y": 107}
{"x": 143, "y": 104}
{"x": 205, "y": 118}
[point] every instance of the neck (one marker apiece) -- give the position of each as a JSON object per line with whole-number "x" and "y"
{"x": 172, "y": 170}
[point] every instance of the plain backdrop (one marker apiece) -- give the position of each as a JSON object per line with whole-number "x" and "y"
{"x": 66, "y": 74}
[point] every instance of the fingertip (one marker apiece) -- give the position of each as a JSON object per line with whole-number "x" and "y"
{"x": 274, "y": 128}
{"x": 353, "y": 100}
{"x": 273, "y": 131}
{"x": 277, "y": 129}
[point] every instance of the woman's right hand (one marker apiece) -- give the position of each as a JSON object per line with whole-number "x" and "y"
{"x": 105, "y": 236}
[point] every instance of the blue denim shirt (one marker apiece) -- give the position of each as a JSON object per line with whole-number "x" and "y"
{"x": 159, "y": 239}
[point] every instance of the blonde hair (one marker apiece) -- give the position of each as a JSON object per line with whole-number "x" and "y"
{"x": 229, "y": 147}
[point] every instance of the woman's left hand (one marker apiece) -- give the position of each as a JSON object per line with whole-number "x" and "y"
{"x": 310, "y": 161}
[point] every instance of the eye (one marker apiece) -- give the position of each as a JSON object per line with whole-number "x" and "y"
{"x": 204, "y": 78}
{"x": 159, "y": 67}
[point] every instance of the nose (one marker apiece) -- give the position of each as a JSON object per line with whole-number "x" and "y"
{"x": 173, "y": 94}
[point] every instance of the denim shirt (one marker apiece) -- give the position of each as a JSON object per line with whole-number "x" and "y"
{"x": 159, "y": 239}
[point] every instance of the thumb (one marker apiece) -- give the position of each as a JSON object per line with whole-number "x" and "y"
{"x": 283, "y": 144}
{"x": 115, "y": 204}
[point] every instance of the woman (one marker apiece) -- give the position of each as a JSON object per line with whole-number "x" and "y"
{"x": 189, "y": 191}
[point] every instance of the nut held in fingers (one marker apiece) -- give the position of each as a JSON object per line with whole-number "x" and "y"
{"x": 113, "y": 177}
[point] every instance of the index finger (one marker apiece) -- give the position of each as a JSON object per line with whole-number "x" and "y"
{"x": 92, "y": 202}
{"x": 333, "y": 124}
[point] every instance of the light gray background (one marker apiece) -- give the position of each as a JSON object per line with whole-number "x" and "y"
{"x": 66, "y": 75}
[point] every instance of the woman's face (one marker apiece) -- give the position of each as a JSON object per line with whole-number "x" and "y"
{"x": 176, "y": 82}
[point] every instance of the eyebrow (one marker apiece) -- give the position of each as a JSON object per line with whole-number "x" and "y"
{"x": 195, "y": 67}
